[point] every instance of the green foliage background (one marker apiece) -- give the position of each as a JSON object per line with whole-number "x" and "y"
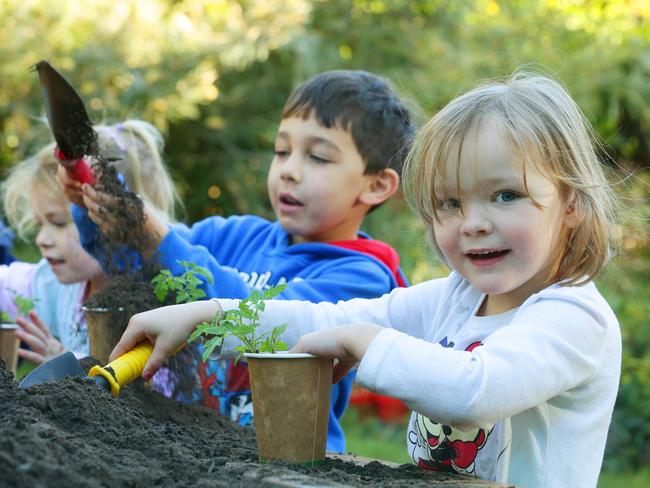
{"x": 214, "y": 75}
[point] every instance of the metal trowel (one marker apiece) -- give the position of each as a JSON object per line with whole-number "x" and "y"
{"x": 112, "y": 377}
{"x": 69, "y": 122}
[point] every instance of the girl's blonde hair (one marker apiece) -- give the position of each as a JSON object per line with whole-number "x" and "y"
{"x": 135, "y": 148}
{"x": 546, "y": 129}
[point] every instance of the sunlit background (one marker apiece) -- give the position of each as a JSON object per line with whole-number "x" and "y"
{"x": 214, "y": 75}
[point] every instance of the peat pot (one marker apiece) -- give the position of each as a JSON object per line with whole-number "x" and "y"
{"x": 105, "y": 328}
{"x": 291, "y": 402}
{"x": 9, "y": 345}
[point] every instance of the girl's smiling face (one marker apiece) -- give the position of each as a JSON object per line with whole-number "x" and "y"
{"x": 499, "y": 222}
{"x": 58, "y": 240}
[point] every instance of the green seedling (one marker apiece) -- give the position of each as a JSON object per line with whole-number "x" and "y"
{"x": 24, "y": 305}
{"x": 185, "y": 286}
{"x": 242, "y": 323}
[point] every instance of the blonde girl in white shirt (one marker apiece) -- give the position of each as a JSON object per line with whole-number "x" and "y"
{"x": 511, "y": 363}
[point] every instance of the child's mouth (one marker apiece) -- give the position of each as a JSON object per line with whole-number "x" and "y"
{"x": 486, "y": 257}
{"x": 289, "y": 200}
{"x": 54, "y": 261}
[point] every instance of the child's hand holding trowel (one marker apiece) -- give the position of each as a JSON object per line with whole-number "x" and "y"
{"x": 167, "y": 328}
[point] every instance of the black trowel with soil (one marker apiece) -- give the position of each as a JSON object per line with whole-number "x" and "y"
{"x": 112, "y": 377}
{"x": 73, "y": 132}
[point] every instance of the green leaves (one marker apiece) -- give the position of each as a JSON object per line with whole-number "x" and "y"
{"x": 24, "y": 305}
{"x": 185, "y": 286}
{"x": 242, "y": 323}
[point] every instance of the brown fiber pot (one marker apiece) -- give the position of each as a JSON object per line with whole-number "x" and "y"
{"x": 105, "y": 328}
{"x": 9, "y": 343}
{"x": 291, "y": 403}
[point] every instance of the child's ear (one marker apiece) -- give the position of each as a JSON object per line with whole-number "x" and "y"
{"x": 572, "y": 218}
{"x": 381, "y": 186}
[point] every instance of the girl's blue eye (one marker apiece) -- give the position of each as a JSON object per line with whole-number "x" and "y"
{"x": 449, "y": 204}
{"x": 506, "y": 196}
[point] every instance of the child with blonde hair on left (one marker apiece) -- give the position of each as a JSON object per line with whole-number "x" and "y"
{"x": 67, "y": 276}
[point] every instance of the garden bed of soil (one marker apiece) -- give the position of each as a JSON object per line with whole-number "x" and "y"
{"x": 73, "y": 433}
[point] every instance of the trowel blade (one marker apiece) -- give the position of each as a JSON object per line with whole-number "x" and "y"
{"x": 69, "y": 121}
{"x": 55, "y": 369}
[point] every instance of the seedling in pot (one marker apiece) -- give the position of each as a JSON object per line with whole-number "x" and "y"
{"x": 9, "y": 341}
{"x": 185, "y": 286}
{"x": 242, "y": 323}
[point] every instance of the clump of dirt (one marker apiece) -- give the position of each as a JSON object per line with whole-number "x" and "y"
{"x": 132, "y": 292}
{"x": 73, "y": 433}
{"x": 127, "y": 210}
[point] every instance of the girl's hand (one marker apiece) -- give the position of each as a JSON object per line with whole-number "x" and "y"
{"x": 348, "y": 344}
{"x": 71, "y": 187}
{"x": 37, "y": 336}
{"x": 167, "y": 328}
{"x": 98, "y": 204}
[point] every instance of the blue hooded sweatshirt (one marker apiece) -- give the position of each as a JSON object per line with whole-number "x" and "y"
{"x": 248, "y": 252}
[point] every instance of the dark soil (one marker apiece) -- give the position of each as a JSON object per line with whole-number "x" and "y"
{"x": 126, "y": 210}
{"x": 131, "y": 292}
{"x": 73, "y": 433}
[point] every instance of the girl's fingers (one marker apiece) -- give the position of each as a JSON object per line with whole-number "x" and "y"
{"x": 35, "y": 343}
{"x": 129, "y": 340}
{"x": 155, "y": 362}
{"x": 341, "y": 368}
{"x": 36, "y": 320}
{"x": 93, "y": 207}
{"x": 31, "y": 329}
{"x": 32, "y": 356}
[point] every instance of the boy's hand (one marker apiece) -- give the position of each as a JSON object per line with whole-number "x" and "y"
{"x": 167, "y": 328}
{"x": 37, "y": 336}
{"x": 71, "y": 187}
{"x": 348, "y": 344}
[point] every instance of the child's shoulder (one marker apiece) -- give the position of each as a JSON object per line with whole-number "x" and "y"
{"x": 572, "y": 300}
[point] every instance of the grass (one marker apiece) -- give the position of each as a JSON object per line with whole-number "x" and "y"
{"x": 370, "y": 437}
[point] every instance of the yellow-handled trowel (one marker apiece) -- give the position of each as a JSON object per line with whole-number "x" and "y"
{"x": 112, "y": 377}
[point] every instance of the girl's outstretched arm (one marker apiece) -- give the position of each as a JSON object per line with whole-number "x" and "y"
{"x": 167, "y": 328}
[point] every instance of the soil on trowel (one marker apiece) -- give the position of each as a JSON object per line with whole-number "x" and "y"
{"x": 73, "y": 433}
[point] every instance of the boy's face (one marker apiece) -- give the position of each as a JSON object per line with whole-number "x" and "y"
{"x": 58, "y": 240}
{"x": 315, "y": 181}
{"x": 502, "y": 241}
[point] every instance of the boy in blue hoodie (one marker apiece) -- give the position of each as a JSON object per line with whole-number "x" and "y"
{"x": 339, "y": 148}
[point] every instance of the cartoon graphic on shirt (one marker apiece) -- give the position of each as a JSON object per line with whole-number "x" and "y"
{"x": 226, "y": 387}
{"x": 448, "y": 448}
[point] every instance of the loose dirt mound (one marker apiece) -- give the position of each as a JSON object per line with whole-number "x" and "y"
{"x": 72, "y": 433}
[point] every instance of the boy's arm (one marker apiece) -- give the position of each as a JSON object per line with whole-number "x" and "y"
{"x": 342, "y": 278}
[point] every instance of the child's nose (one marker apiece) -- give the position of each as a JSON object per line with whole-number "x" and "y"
{"x": 476, "y": 219}
{"x": 44, "y": 238}
{"x": 292, "y": 168}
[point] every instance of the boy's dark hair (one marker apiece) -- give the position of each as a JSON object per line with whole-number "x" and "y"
{"x": 364, "y": 105}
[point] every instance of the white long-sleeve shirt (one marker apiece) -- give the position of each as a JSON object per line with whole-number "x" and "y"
{"x": 523, "y": 397}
